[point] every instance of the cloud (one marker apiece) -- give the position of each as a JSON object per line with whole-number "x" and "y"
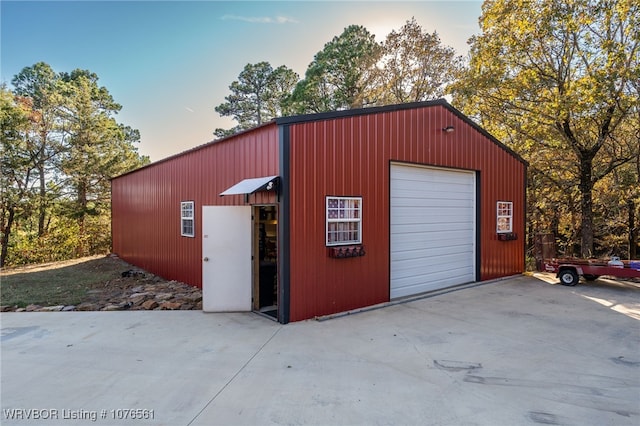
{"x": 189, "y": 109}
{"x": 261, "y": 19}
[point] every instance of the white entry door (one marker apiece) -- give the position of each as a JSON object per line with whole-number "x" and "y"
{"x": 226, "y": 258}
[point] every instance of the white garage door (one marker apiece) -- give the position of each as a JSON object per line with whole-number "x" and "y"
{"x": 432, "y": 229}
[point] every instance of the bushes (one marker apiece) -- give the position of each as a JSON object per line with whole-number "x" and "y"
{"x": 62, "y": 241}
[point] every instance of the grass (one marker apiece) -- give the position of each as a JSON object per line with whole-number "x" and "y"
{"x": 60, "y": 283}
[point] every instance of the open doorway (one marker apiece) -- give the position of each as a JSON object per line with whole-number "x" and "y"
{"x": 265, "y": 260}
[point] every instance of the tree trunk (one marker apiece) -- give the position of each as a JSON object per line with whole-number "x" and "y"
{"x": 42, "y": 204}
{"x": 555, "y": 223}
{"x": 633, "y": 231}
{"x": 40, "y": 166}
{"x": 82, "y": 212}
{"x": 586, "y": 206}
{"x": 5, "y": 236}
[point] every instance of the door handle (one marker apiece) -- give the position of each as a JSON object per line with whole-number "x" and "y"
{"x": 206, "y": 259}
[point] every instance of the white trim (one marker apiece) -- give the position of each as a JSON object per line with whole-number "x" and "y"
{"x": 346, "y": 211}
{"x": 187, "y": 214}
{"x": 504, "y": 211}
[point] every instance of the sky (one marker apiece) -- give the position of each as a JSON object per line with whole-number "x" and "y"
{"x": 170, "y": 63}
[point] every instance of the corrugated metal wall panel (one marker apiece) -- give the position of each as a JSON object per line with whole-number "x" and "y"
{"x": 146, "y": 203}
{"x": 339, "y": 156}
{"x": 351, "y": 156}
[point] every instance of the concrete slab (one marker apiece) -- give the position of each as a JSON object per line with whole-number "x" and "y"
{"x": 517, "y": 351}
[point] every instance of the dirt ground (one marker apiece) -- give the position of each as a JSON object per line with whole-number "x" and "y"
{"x": 107, "y": 283}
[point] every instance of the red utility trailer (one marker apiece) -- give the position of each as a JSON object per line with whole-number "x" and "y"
{"x": 570, "y": 270}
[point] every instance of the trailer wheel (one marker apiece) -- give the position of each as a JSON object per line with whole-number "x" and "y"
{"x": 590, "y": 277}
{"x": 568, "y": 277}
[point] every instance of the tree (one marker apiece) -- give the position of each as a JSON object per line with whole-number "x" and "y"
{"x": 257, "y": 96}
{"x": 60, "y": 146}
{"x": 617, "y": 199}
{"x": 97, "y": 149}
{"x": 16, "y": 167}
{"x": 617, "y": 206}
{"x": 416, "y": 66}
{"x": 343, "y": 75}
{"x": 559, "y": 78}
{"x": 41, "y": 85}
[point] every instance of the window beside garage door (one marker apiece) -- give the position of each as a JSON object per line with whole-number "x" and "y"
{"x": 344, "y": 220}
{"x": 504, "y": 219}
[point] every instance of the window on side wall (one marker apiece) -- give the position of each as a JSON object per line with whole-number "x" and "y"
{"x": 187, "y": 220}
{"x": 504, "y": 217}
{"x": 344, "y": 221}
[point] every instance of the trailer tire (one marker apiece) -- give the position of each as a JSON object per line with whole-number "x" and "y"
{"x": 591, "y": 277}
{"x": 568, "y": 277}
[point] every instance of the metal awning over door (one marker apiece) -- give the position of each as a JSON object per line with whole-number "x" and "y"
{"x": 249, "y": 186}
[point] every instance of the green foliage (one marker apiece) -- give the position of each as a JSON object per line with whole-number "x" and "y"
{"x": 257, "y": 96}
{"x": 41, "y": 87}
{"x": 416, "y": 66}
{"x": 61, "y": 145}
{"x": 342, "y": 75}
{"x": 351, "y": 71}
{"x": 59, "y": 243}
{"x": 15, "y": 165}
{"x": 558, "y": 81}
{"x": 63, "y": 239}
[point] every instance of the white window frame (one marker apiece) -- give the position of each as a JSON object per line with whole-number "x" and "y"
{"x": 343, "y": 221}
{"x": 504, "y": 217}
{"x": 187, "y": 215}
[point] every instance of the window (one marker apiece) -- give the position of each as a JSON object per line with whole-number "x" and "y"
{"x": 344, "y": 220}
{"x": 187, "y": 221}
{"x": 504, "y": 217}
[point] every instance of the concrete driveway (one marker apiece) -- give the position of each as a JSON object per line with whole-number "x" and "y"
{"x": 512, "y": 352}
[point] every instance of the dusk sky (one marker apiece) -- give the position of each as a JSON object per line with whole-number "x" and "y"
{"x": 169, "y": 63}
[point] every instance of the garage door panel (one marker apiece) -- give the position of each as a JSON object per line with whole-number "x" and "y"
{"x": 432, "y": 229}
{"x": 454, "y": 224}
{"x": 415, "y": 285}
{"x": 431, "y": 253}
{"x": 453, "y": 208}
{"x": 444, "y": 215}
{"x": 402, "y": 189}
{"x": 433, "y": 239}
{"x": 444, "y": 193}
{"x": 443, "y": 261}
{"x": 429, "y": 247}
{"x": 445, "y": 200}
{"x": 446, "y": 265}
{"x": 452, "y": 277}
{"x": 430, "y": 226}
{"x": 416, "y": 250}
{"x": 434, "y": 175}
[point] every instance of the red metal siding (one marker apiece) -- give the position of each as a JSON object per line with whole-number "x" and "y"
{"x": 350, "y": 156}
{"x": 146, "y": 203}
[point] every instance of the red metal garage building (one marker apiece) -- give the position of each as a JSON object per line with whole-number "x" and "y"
{"x": 317, "y": 214}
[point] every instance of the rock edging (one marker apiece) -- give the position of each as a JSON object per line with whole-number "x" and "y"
{"x": 138, "y": 291}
